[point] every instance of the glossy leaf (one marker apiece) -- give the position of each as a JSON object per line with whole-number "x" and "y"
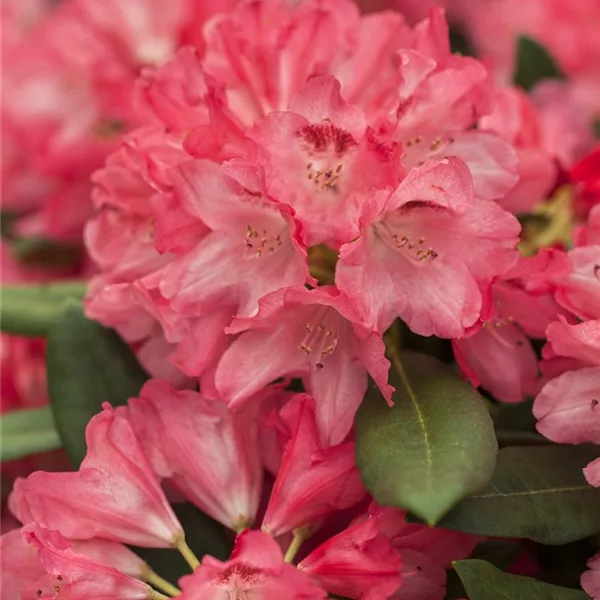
{"x": 26, "y": 432}
{"x": 31, "y": 309}
{"x": 533, "y": 64}
{"x": 433, "y": 448}
{"x": 483, "y": 581}
{"x": 538, "y": 493}
{"x": 87, "y": 365}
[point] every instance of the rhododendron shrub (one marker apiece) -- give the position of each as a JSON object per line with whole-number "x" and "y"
{"x": 340, "y": 335}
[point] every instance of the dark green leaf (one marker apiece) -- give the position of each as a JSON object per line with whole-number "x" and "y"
{"x": 31, "y": 309}
{"x": 597, "y": 128}
{"x": 435, "y": 446}
{"x": 87, "y": 365}
{"x": 538, "y": 493}
{"x": 485, "y": 582}
{"x": 203, "y": 536}
{"x": 26, "y": 432}
{"x": 533, "y": 63}
{"x": 44, "y": 252}
{"x": 514, "y": 417}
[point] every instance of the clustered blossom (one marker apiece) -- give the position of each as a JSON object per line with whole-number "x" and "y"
{"x": 75, "y": 541}
{"x": 293, "y": 179}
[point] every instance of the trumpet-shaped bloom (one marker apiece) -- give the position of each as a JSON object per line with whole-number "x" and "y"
{"x": 424, "y": 249}
{"x": 313, "y": 481}
{"x": 207, "y": 451}
{"x": 76, "y": 576}
{"x": 313, "y": 334}
{"x": 114, "y": 495}
{"x": 255, "y": 569}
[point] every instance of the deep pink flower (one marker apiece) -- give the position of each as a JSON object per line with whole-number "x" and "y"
{"x": 255, "y": 569}
{"x": 114, "y": 494}
{"x": 313, "y": 481}
{"x": 253, "y": 247}
{"x": 359, "y": 563}
{"x": 416, "y": 258}
{"x": 74, "y": 575}
{"x": 592, "y": 473}
{"x": 313, "y": 334}
{"x": 207, "y": 451}
{"x": 590, "y": 580}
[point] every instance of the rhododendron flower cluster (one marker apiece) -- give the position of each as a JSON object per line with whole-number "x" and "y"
{"x": 278, "y": 199}
{"x": 76, "y": 539}
{"x": 226, "y": 213}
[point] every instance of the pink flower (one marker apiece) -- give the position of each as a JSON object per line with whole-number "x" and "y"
{"x": 74, "y": 575}
{"x": 255, "y": 569}
{"x": 568, "y": 407}
{"x": 359, "y": 563}
{"x": 416, "y": 259}
{"x": 590, "y": 580}
{"x": 313, "y": 481}
{"x": 515, "y": 118}
{"x": 499, "y": 358}
{"x": 592, "y": 473}
{"x": 207, "y": 451}
{"x": 319, "y": 156}
{"x": 253, "y": 247}
{"x": 114, "y": 495}
{"x": 579, "y": 291}
{"x": 313, "y": 334}
{"x": 499, "y": 355}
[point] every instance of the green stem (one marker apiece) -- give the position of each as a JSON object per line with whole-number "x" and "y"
{"x": 157, "y": 581}
{"x": 186, "y": 552}
{"x": 299, "y": 535}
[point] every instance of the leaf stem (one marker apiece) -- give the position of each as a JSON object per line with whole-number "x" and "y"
{"x": 186, "y": 552}
{"x": 162, "y": 584}
{"x": 299, "y": 535}
{"x": 154, "y": 595}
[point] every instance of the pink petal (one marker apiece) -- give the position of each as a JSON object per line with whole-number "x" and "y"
{"x": 568, "y": 407}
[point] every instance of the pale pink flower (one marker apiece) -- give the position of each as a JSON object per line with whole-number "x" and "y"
{"x": 313, "y": 334}
{"x": 114, "y": 495}
{"x": 416, "y": 258}
{"x": 590, "y": 580}
{"x": 313, "y": 480}
{"x": 255, "y": 569}
{"x": 515, "y": 118}
{"x": 499, "y": 356}
{"x": 568, "y": 407}
{"x": 207, "y": 452}
{"x": 253, "y": 248}
{"x": 319, "y": 156}
{"x": 579, "y": 291}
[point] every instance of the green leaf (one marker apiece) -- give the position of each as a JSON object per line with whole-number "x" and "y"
{"x": 26, "y": 432}
{"x": 538, "y": 493}
{"x": 87, "y": 365}
{"x": 44, "y": 252}
{"x": 202, "y": 534}
{"x": 533, "y": 63}
{"x": 485, "y": 582}
{"x": 31, "y": 309}
{"x": 435, "y": 446}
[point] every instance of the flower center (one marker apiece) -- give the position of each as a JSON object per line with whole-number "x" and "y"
{"x": 325, "y": 145}
{"x": 320, "y": 335}
{"x": 261, "y": 241}
{"x": 414, "y": 248}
